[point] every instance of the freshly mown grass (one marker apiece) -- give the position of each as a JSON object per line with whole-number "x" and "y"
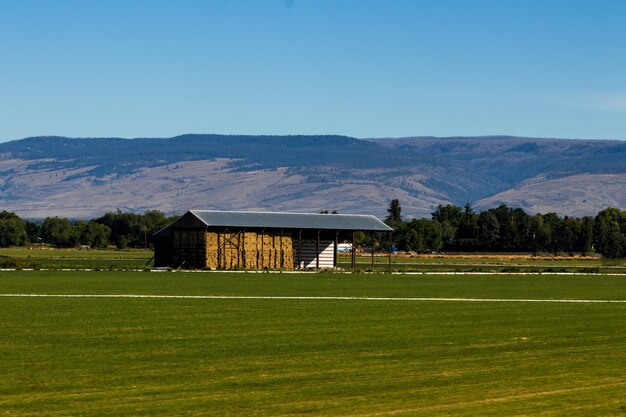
{"x": 489, "y": 259}
{"x": 486, "y": 263}
{"x": 442, "y": 267}
{"x": 62, "y": 263}
{"x": 68, "y": 356}
{"x": 45, "y": 252}
{"x": 43, "y": 257}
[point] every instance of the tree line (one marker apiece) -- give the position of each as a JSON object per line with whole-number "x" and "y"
{"x": 450, "y": 228}
{"x": 507, "y": 229}
{"x": 124, "y": 230}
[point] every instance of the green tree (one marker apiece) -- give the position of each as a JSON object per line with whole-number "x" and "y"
{"x": 12, "y": 230}
{"x": 130, "y": 229}
{"x": 420, "y": 235}
{"x": 488, "y": 229}
{"x": 126, "y": 229}
{"x": 553, "y": 223}
{"x": 59, "y": 232}
{"x": 540, "y": 233}
{"x": 450, "y": 218}
{"x": 394, "y": 218}
{"x": 524, "y": 236}
{"x": 610, "y": 233}
{"x": 567, "y": 235}
{"x": 32, "y": 231}
{"x": 92, "y": 234}
{"x": 584, "y": 242}
{"x": 467, "y": 235}
{"x": 407, "y": 238}
{"x": 508, "y": 236}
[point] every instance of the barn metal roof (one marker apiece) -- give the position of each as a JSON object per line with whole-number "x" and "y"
{"x": 283, "y": 221}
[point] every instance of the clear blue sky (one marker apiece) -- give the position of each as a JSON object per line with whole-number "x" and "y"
{"x": 361, "y": 68}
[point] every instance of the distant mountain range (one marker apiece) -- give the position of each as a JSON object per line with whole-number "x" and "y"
{"x": 84, "y": 177}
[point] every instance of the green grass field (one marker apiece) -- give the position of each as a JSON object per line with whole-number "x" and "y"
{"x": 486, "y": 263}
{"x": 164, "y": 357}
{"x": 43, "y": 257}
{"x": 491, "y": 259}
{"x": 53, "y": 258}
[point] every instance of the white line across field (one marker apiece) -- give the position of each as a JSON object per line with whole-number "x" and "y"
{"x": 331, "y": 298}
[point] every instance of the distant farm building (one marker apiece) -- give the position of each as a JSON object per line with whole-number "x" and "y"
{"x": 258, "y": 240}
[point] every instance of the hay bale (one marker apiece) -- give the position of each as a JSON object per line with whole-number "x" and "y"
{"x": 249, "y": 250}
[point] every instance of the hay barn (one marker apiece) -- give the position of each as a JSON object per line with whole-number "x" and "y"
{"x": 258, "y": 240}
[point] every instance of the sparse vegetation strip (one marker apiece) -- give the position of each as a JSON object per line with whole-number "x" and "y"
{"x": 314, "y": 298}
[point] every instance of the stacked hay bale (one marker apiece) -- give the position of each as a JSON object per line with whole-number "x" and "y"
{"x": 211, "y": 250}
{"x": 268, "y": 254}
{"x": 287, "y": 252}
{"x": 249, "y": 250}
{"x": 222, "y": 250}
{"x": 231, "y": 253}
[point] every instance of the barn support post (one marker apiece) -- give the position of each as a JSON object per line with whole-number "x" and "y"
{"x": 228, "y": 239}
{"x": 353, "y": 251}
{"x": 373, "y": 248}
{"x": 335, "y": 249}
{"x": 224, "y": 255}
{"x": 390, "y": 247}
{"x": 219, "y": 252}
{"x": 243, "y": 249}
{"x": 280, "y": 265}
{"x": 317, "y": 251}
{"x": 300, "y": 266}
{"x": 223, "y": 249}
{"x": 239, "y": 249}
{"x": 256, "y": 252}
{"x": 201, "y": 247}
{"x": 262, "y": 249}
{"x": 206, "y": 248}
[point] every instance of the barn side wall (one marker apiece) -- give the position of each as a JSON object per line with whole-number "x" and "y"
{"x": 163, "y": 251}
{"x": 308, "y": 258}
{"x": 188, "y": 248}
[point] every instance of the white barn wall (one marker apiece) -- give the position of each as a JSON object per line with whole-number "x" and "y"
{"x": 309, "y": 253}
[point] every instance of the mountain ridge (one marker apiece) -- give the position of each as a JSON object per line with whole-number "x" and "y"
{"x": 82, "y": 177}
